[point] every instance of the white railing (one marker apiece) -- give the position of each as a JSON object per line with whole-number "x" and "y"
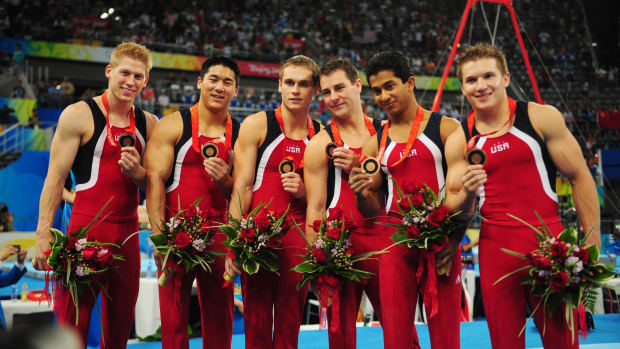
{"x": 12, "y": 139}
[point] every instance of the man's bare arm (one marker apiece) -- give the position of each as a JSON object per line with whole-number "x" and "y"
{"x": 315, "y": 177}
{"x": 246, "y": 151}
{"x": 567, "y": 157}
{"x": 72, "y": 126}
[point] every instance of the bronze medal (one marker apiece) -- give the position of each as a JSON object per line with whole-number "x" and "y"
{"x": 127, "y": 140}
{"x": 286, "y": 166}
{"x": 329, "y": 149}
{"x": 476, "y": 156}
{"x": 209, "y": 150}
{"x": 370, "y": 165}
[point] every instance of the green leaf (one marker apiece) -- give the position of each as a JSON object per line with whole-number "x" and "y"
{"x": 517, "y": 254}
{"x": 305, "y": 267}
{"x": 569, "y": 235}
{"x": 594, "y": 253}
{"x": 251, "y": 266}
{"x": 512, "y": 272}
{"x": 158, "y": 239}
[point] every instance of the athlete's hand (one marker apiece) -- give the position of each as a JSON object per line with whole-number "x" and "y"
{"x": 359, "y": 180}
{"x": 217, "y": 168}
{"x": 345, "y": 158}
{"x": 230, "y": 267}
{"x": 159, "y": 259}
{"x": 475, "y": 176}
{"x": 130, "y": 162}
{"x": 292, "y": 183}
{"x": 445, "y": 256}
{"x": 39, "y": 262}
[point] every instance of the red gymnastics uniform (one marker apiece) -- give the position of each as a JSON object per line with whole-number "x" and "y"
{"x": 424, "y": 164}
{"x": 188, "y": 182}
{"x": 520, "y": 181}
{"x": 268, "y": 298}
{"x": 99, "y": 178}
{"x": 368, "y": 237}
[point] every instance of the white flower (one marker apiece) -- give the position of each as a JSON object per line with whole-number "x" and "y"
{"x": 199, "y": 245}
{"x": 545, "y": 274}
{"x": 79, "y": 245}
{"x": 416, "y": 220}
{"x": 80, "y": 271}
{"x": 578, "y": 268}
{"x": 571, "y": 260}
{"x": 102, "y": 252}
{"x": 318, "y": 243}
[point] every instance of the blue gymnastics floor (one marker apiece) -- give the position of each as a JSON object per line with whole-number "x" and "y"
{"x": 473, "y": 335}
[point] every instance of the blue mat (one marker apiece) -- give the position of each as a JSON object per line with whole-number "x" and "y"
{"x": 473, "y": 335}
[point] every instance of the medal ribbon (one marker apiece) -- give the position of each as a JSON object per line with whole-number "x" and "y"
{"x": 413, "y": 134}
{"x": 132, "y": 120}
{"x": 195, "y": 126}
{"x": 281, "y": 122}
{"x": 512, "y": 106}
{"x": 336, "y": 131}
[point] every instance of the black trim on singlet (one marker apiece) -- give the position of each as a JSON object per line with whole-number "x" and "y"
{"x": 432, "y": 131}
{"x": 524, "y": 123}
{"x": 331, "y": 169}
{"x": 82, "y": 165}
{"x": 186, "y": 117}
{"x": 273, "y": 131}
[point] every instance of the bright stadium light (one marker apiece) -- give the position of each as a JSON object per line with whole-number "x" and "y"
{"x": 594, "y": 44}
{"x": 117, "y": 18}
{"x": 111, "y": 10}
{"x": 104, "y": 15}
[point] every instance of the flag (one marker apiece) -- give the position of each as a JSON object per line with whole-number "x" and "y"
{"x": 609, "y": 119}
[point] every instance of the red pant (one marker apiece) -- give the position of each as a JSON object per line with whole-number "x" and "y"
{"x": 216, "y": 304}
{"x": 399, "y": 294}
{"x": 505, "y": 303}
{"x": 350, "y": 295}
{"x": 269, "y": 299}
{"x": 121, "y": 284}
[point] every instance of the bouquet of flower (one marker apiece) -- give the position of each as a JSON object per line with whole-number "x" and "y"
{"x": 187, "y": 237}
{"x": 329, "y": 262}
{"x": 252, "y": 241}
{"x": 74, "y": 259}
{"x": 563, "y": 271}
{"x": 426, "y": 225}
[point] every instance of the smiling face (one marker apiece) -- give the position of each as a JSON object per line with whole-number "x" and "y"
{"x": 297, "y": 88}
{"x": 127, "y": 79}
{"x": 217, "y": 88}
{"x": 391, "y": 93}
{"x": 483, "y": 84}
{"x": 341, "y": 97}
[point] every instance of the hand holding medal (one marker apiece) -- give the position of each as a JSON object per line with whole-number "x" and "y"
{"x": 345, "y": 159}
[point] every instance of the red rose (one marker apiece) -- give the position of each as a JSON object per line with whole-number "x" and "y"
{"x": 429, "y": 199}
{"x": 105, "y": 257}
{"x": 274, "y": 242}
{"x": 263, "y": 222}
{"x": 349, "y": 226}
{"x": 583, "y": 254}
{"x": 90, "y": 253}
{"x": 410, "y": 188}
{"x": 413, "y": 232}
{"x": 279, "y": 212}
{"x": 335, "y": 213}
{"x": 438, "y": 216}
{"x": 558, "y": 249}
{"x": 188, "y": 214}
{"x": 404, "y": 204}
{"x": 248, "y": 234}
{"x": 542, "y": 263}
{"x": 558, "y": 281}
{"x": 319, "y": 254}
{"x": 71, "y": 243}
{"x": 316, "y": 225}
{"x": 182, "y": 240}
{"x": 417, "y": 199}
{"x": 285, "y": 226}
{"x": 334, "y": 233}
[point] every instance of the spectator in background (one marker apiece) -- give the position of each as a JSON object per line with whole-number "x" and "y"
{"x": 273, "y": 102}
{"x": 11, "y": 277}
{"x": 262, "y": 104}
{"x": 6, "y": 116}
{"x": 18, "y": 59}
{"x": 6, "y": 218}
{"x": 248, "y": 102}
{"x": 163, "y": 101}
{"x": 18, "y": 91}
{"x": 189, "y": 97}
{"x": 148, "y": 98}
{"x": 67, "y": 89}
{"x": 54, "y": 93}
{"x": 34, "y": 121}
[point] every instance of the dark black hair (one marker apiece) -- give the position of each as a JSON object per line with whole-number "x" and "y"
{"x": 395, "y": 61}
{"x": 221, "y": 60}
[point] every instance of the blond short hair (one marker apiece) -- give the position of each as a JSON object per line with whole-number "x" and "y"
{"x": 480, "y": 51}
{"x": 132, "y": 50}
{"x": 306, "y": 62}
